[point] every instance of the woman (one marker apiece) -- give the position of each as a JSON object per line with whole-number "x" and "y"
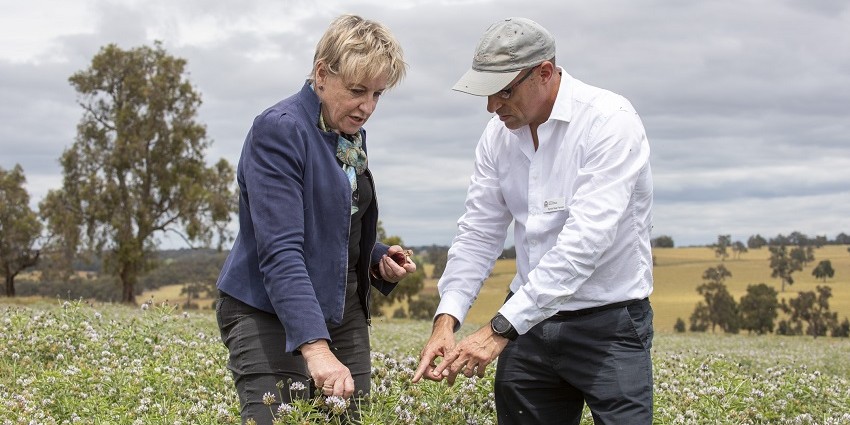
{"x": 294, "y": 291}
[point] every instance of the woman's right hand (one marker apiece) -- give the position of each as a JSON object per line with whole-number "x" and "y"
{"x": 328, "y": 373}
{"x": 396, "y": 264}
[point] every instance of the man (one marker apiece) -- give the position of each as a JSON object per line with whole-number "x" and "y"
{"x": 568, "y": 163}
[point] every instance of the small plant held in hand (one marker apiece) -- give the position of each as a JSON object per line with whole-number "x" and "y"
{"x": 401, "y": 258}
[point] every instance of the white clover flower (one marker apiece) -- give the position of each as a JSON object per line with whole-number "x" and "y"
{"x": 337, "y": 405}
{"x": 285, "y": 409}
{"x": 297, "y": 386}
{"x": 268, "y": 399}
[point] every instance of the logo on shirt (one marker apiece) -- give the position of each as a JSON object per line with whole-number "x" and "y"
{"x": 556, "y": 204}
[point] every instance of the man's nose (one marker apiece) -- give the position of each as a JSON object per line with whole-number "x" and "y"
{"x": 493, "y": 103}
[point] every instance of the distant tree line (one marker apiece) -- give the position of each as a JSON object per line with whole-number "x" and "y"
{"x": 757, "y": 241}
{"x": 196, "y": 269}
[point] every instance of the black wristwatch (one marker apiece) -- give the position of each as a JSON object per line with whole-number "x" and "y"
{"x": 502, "y": 327}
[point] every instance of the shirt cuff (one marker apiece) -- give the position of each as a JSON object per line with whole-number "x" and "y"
{"x": 523, "y": 312}
{"x": 455, "y": 304}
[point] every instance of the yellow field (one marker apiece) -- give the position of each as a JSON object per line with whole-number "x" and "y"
{"x": 678, "y": 271}
{"x": 171, "y": 294}
{"x": 677, "y": 274}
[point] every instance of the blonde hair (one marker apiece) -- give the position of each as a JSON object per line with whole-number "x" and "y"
{"x": 357, "y": 49}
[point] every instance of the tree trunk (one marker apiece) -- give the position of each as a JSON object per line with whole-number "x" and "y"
{"x": 128, "y": 296}
{"x": 128, "y": 285}
{"x": 10, "y": 285}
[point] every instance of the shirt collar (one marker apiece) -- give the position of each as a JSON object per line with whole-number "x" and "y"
{"x": 563, "y": 108}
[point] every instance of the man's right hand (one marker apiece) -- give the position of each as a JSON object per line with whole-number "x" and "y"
{"x": 442, "y": 340}
{"x": 329, "y": 375}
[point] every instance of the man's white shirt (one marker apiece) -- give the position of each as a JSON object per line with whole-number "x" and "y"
{"x": 581, "y": 206}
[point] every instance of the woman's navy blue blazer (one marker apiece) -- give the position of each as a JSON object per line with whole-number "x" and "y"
{"x": 290, "y": 256}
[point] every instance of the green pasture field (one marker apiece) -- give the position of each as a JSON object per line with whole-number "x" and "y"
{"x": 72, "y": 362}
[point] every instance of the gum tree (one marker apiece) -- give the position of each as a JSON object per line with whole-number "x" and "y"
{"x": 823, "y": 270}
{"x": 137, "y": 170}
{"x": 720, "y": 308}
{"x": 783, "y": 265}
{"x": 811, "y": 308}
{"x": 19, "y": 227}
{"x": 759, "y": 309}
{"x": 721, "y": 247}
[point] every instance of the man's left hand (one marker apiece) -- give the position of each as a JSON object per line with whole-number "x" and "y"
{"x": 472, "y": 355}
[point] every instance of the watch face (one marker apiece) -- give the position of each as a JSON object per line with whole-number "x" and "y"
{"x": 500, "y": 324}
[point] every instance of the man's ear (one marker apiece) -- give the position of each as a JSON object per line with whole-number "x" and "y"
{"x": 547, "y": 70}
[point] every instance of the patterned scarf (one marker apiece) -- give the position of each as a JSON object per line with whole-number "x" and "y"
{"x": 350, "y": 152}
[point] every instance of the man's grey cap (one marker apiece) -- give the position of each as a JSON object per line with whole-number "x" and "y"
{"x": 507, "y": 47}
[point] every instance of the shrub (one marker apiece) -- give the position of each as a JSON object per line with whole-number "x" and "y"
{"x": 680, "y": 325}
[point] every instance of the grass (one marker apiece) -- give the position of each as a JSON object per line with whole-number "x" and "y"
{"x": 65, "y": 362}
{"x": 68, "y": 362}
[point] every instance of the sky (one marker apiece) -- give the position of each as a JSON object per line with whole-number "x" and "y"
{"x": 746, "y": 103}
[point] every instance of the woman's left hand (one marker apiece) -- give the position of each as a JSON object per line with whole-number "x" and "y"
{"x": 396, "y": 264}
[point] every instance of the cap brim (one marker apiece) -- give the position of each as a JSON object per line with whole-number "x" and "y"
{"x": 484, "y": 83}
